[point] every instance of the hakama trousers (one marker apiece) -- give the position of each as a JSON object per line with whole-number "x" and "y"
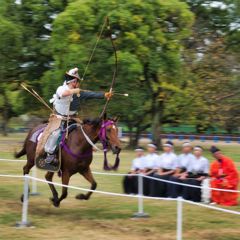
{"x": 130, "y": 184}
{"x": 192, "y": 193}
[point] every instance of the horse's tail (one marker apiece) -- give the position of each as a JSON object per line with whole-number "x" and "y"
{"x": 23, "y": 151}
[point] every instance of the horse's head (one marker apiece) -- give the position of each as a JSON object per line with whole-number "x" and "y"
{"x": 111, "y": 133}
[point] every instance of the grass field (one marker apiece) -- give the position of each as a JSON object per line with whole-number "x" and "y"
{"x": 104, "y": 216}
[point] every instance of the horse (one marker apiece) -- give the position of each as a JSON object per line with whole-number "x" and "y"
{"x": 77, "y": 144}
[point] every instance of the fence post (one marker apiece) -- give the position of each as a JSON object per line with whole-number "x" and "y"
{"x": 179, "y": 218}
{"x": 34, "y": 183}
{"x": 140, "y": 213}
{"x": 24, "y": 222}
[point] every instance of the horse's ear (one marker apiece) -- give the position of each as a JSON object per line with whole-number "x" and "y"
{"x": 116, "y": 118}
{"x": 105, "y": 117}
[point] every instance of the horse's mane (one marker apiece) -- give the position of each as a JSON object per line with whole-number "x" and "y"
{"x": 93, "y": 122}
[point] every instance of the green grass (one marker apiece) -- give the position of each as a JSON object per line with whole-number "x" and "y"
{"x": 105, "y": 216}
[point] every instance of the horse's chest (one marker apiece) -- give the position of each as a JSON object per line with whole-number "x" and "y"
{"x": 78, "y": 166}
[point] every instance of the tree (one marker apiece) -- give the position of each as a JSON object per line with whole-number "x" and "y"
{"x": 24, "y": 51}
{"x": 216, "y": 82}
{"x": 212, "y": 64}
{"x": 147, "y": 37}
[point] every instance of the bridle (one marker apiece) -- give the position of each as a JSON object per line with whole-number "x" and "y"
{"x": 102, "y": 134}
{"x": 104, "y": 141}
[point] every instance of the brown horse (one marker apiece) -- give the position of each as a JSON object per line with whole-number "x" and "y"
{"x": 77, "y": 144}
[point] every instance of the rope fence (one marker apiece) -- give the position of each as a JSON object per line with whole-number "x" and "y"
{"x": 167, "y": 181}
{"x": 34, "y": 174}
{"x": 122, "y": 174}
{"x": 140, "y": 196}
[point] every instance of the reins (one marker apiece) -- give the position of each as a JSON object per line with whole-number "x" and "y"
{"x": 105, "y": 147}
{"x": 103, "y": 140}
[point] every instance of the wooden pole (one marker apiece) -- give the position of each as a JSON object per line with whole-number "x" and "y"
{"x": 68, "y": 114}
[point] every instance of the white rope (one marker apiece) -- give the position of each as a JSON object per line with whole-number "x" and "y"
{"x": 16, "y": 176}
{"x": 167, "y": 181}
{"x": 156, "y": 179}
{"x": 84, "y": 189}
{"x": 215, "y": 208}
{"x": 10, "y": 160}
{"x": 125, "y": 195}
{"x": 188, "y": 185}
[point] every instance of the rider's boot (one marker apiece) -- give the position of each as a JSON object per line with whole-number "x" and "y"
{"x": 52, "y": 160}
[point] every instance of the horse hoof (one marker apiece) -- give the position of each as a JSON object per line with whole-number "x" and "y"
{"x": 54, "y": 202}
{"x": 81, "y": 197}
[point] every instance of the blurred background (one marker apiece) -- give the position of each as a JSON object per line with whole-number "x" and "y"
{"x": 178, "y": 61}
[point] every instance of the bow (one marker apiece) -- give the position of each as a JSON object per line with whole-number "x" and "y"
{"x": 115, "y": 71}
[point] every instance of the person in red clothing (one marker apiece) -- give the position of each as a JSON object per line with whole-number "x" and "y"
{"x": 223, "y": 176}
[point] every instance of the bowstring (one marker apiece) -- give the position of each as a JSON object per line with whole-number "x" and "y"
{"x": 94, "y": 49}
{"x": 99, "y": 36}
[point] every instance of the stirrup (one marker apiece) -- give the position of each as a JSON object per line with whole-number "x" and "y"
{"x": 52, "y": 160}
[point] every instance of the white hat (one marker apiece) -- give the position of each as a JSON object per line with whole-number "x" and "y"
{"x": 73, "y": 73}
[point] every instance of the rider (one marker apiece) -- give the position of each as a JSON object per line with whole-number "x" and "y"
{"x": 61, "y": 105}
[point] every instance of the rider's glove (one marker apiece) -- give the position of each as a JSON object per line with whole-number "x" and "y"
{"x": 109, "y": 94}
{"x": 74, "y": 91}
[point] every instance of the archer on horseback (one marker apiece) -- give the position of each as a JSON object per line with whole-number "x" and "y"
{"x": 76, "y": 154}
{"x": 64, "y": 109}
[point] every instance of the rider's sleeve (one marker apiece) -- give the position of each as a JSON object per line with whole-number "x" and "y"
{"x": 90, "y": 95}
{"x": 60, "y": 91}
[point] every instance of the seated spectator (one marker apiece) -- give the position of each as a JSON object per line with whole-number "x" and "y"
{"x": 183, "y": 162}
{"x": 223, "y": 176}
{"x": 150, "y": 166}
{"x": 130, "y": 182}
{"x": 198, "y": 170}
{"x": 166, "y": 167}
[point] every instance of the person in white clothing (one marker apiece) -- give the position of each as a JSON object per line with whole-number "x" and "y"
{"x": 198, "y": 170}
{"x": 60, "y": 101}
{"x": 130, "y": 185}
{"x": 150, "y": 166}
{"x": 167, "y": 165}
{"x": 183, "y": 162}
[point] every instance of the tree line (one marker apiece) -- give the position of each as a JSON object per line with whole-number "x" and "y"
{"x": 177, "y": 60}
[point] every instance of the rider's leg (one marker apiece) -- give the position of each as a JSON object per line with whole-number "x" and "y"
{"x": 52, "y": 141}
{"x": 51, "y": 146}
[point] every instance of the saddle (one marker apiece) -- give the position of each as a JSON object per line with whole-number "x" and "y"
{"x": 40, "y": 158}
{"x": 54, "y": 123}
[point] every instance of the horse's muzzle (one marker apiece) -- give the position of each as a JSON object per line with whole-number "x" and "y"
{"x": 116, "y": 149}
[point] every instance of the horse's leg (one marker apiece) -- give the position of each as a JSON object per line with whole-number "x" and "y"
{"x": 88, "y": 175}
{"x": 65, "y": 181}
{"x": 49, "y": 177}
{"x": 26, "y": 170}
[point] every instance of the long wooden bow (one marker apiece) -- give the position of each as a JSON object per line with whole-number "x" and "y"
{"x": 115, "y": 71}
